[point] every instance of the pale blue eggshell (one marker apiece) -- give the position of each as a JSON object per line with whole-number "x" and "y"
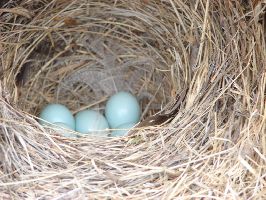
{"x": 90, "y": 121}
{"x": 122, "y": 108}
{"x": 64, "y": 129}
{"x": 54, "y": 113}
{"x": 122, "y": 129}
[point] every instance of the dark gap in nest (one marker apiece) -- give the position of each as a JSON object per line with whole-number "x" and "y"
{"x": 40, "y": 54}
{"x": 3, "y": 3}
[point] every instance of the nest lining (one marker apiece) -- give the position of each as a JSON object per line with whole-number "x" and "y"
{"x": 81, "y": 66}
{"x": 56, "y": 51}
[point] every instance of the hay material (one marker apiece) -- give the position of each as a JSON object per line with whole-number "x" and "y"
{"x": 214, "y": 148}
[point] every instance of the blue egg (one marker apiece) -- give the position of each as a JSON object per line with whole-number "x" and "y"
{"x": 63, "y": 129}
{"x": 122, "y": 129}
{"x": 90, "y": 121}
{"x": 54, "y": 113}
{"x": 122, "y": 108}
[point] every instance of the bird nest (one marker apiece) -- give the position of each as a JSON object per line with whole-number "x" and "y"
{"x": 196, "y": 67}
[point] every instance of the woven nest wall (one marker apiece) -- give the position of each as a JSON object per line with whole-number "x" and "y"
{"x": 200, "y": 63}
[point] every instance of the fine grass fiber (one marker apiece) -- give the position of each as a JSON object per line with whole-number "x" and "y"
{"x": 80, "y": 52}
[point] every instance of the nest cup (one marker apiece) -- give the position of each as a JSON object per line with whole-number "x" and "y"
{"x": 79, "y": 53}
{"x": 81, "y": 56}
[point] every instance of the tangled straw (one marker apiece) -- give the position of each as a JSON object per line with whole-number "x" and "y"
{"x": 213, "y": 148}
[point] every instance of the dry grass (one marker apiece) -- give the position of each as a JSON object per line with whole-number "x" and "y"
{"x": 80, "y": 52}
